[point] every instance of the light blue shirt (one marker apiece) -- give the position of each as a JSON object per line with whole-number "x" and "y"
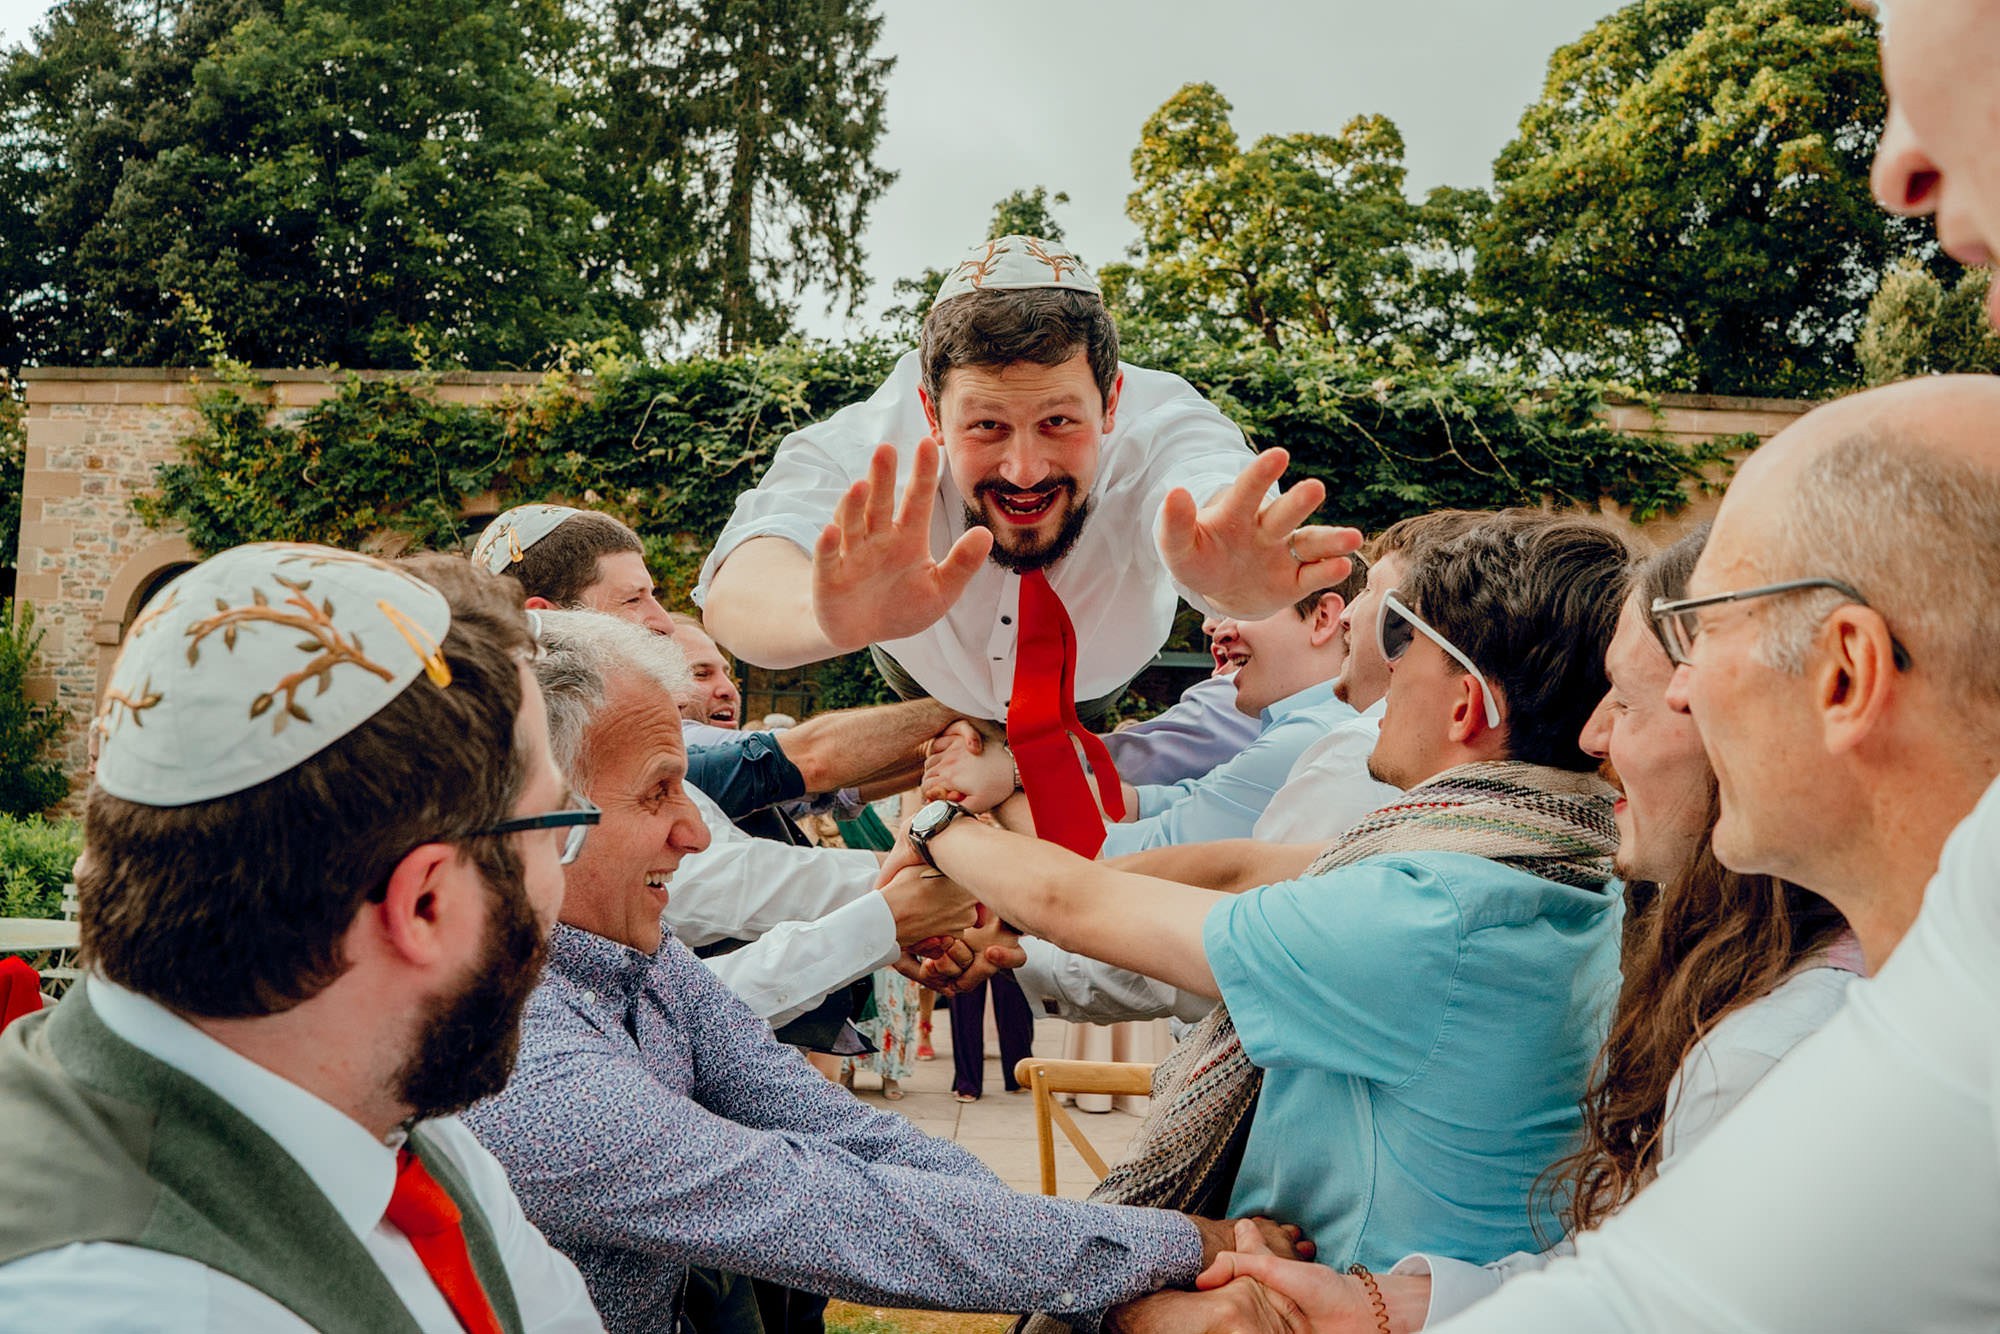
{"x": 1226, "y": 801}
{"x": 1426, "y": 1023}
{"x": 1202, "y": 729}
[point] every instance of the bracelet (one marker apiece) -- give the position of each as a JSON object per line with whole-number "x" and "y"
{"x": 1360, "y": 1271}
{"x": 1017, "y": 768}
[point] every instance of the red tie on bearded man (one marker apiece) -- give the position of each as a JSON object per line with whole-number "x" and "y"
{"x": 427, "y": 1216}
{"x": 1041, "y": 720}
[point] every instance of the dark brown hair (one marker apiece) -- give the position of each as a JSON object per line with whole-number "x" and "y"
{"x": 1043, "y": 325}
{"x": 1532, "y": 599}
{"x": 564, "y": 563}
{"x": 236, "y": 907}
{"x": 1705, "y": 944}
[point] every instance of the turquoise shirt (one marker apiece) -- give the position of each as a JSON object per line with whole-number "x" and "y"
{"x": 1427, "y": 1024}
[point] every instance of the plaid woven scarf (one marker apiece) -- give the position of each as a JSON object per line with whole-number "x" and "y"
{"x": 1548, "y": 822}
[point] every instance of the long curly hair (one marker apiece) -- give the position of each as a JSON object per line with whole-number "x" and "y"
{"x": 1697, "y": 948}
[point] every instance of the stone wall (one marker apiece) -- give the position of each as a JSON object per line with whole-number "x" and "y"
{"x": 95, "y": 436}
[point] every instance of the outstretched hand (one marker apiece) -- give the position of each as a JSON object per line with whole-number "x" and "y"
{"x": 1246, "y": 556}
{"x": 873, "y": 576}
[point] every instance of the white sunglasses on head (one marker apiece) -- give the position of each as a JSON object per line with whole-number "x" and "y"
{"x": 1396, "y": 635}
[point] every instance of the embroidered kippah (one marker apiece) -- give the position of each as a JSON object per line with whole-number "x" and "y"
{"x": 1014, "y": 262}
{"x": 510, "y": 535}
{"x": 256, "y": 660}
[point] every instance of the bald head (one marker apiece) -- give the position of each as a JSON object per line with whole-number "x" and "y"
{"x": 1897, "y": 492}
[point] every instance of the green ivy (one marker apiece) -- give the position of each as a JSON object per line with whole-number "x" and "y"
{"x": 669, "y": 446}
{"x": 36, "y": 856}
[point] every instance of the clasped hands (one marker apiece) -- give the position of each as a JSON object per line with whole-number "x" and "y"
{"x": 1257, "y": 1287}
{"x": 874, "y": 578}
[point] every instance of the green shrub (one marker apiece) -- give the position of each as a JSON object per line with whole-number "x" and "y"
{"x": 30, "y": 781}
{"x": 36, "y": 856}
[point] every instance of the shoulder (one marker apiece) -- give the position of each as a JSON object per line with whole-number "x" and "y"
{"x": 1774, "y": 1023}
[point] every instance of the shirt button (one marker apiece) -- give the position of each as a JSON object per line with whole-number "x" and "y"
{"x": 1006, "y": 620}
{"x": 1065, "y": 1301}
{"x": 590, "y": 998}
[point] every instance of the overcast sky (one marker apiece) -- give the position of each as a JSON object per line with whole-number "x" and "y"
{"x": 989, "y": 98}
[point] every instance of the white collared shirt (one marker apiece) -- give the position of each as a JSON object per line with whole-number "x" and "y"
{"x": 1857, "y": 1187}
{"x": 814, "y": 920}
{"x": 94, "y": 1286}
{"x": 1114, "y": 583}
{"x": 1329, "y": 787}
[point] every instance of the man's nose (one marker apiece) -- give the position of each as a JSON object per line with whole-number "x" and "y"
{"x": 1678, "y": 687}
{"x": 1023, "y": 465}
{"x": 689, "y": 834}
{"x": 1595, "y": 740}
{"x": 1905, "y": 180}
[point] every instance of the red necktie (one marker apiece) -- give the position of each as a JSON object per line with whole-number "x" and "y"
{"x": 427, "y": 1216}
{"x": 1041, "y": 719}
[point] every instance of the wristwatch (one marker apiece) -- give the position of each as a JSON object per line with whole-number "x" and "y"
{"x": 931, "y": 821}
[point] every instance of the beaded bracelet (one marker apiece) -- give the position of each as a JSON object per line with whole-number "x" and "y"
{"x": 1360, "y": 1271}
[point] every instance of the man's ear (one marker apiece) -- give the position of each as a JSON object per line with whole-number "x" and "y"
{"x": 930, "y": 412}
{"x": 1856, "y": 676}
{"x": 1111, "y": 403}
{"x": 413, "y": 917}
{"x": 540, "y": 604}
{"x": 1468, "y": 712}
{"x": 1325, "y": 621}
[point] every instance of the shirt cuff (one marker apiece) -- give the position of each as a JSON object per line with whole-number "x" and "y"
{"x": 797, "y": 529}
{"x": 1455, "y": 1284}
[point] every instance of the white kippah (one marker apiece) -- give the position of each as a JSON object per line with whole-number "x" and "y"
{"x": 510, "y": 535}
{"x": 1015, "y": 262}
{"x": 256, "y": 660}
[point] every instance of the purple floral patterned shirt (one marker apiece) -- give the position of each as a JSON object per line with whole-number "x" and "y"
{"x": 654, "y": 1123}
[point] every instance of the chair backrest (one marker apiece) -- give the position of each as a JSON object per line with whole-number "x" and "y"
{"x": 70, "y": 908}
{"x": 1045, "y": 1079}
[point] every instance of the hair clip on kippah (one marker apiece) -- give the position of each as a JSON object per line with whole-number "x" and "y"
{"x": 435, "y": 666}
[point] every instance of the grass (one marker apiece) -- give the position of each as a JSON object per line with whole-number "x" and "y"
{"x": 846, "y": 1318}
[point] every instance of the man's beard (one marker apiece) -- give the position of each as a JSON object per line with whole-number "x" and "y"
{"x": 1041, "y": 557}
{"x": 469, "y": 1041}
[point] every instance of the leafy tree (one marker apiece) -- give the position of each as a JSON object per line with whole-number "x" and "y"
{"x": 1687, "y": 205}
{"x": 13, "y": 461}
{"x": 30, "y": 782}
{"x": 1298, "y": 235}
{"x": 770, "y": 111}
{"x": 1919, "y": 326}
{"x": 363, "y": 183}
{"x": 1023, "y": 213}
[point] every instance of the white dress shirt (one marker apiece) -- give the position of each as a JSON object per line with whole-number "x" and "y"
{"x": 814, "y": 920}
{"x": 104, "y": 1286}
{"x": 1716, "y": 1075}
{"x": 1857, "y": 1187}
{"x": 1200, "y": 730}
{"x": 1084, "y": 990}
{"x": 1114, "y": 583}
{"x": 1329, "y": 787}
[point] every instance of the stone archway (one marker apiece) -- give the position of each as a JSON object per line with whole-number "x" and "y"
{"x": 144, "y": 572}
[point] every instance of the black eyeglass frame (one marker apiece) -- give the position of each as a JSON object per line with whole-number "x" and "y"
{"x": 1668, "y": 612}
{"x": 577, "y": 819}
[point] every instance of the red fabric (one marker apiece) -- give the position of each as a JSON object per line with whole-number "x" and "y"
{"x": 427, "y": 1216}
{"x": 1041, "y": 720}
{"x": 20, "y": 989}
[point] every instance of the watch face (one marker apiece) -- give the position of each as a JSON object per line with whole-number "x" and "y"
{"x": 934, "y": 816}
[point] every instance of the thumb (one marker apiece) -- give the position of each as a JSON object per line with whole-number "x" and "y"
{"x": 967, "y": 554}
{"x": 1232, "y": 1265}
{"x": 1177, "y": 522}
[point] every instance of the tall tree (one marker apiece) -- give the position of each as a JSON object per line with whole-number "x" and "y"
{"x": 1298, "y": 235}
{"x": 349, "y": 181}
{"x": 1687, "y": 205}
{"x": 1919, "y": 325}
{"x": 773, "y": 110}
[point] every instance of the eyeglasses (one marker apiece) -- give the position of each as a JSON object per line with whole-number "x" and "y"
{"x": 577, "y": 820}
{"x": 1396, "y": 635}
{"x": 1680, "y": 627}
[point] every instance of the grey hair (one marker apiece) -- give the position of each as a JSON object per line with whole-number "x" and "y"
{"x": 581, "y": 652}
{"x": 1917, "y": 532}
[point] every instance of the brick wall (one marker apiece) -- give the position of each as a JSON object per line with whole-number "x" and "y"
{"x": 95, "y": 436}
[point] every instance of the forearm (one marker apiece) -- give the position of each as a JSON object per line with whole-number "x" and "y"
{"x": 760, "y": 606}
{"x": 1228, "y": 866}
{"x": 1131, "y": 921}
{"x": 854, "y": 746}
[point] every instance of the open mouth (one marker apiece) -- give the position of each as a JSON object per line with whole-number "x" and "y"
{"x": 1025, "y": 507}
{"x": 723, "y": 715}
{"x": 656, "y": 882}
{"x": 1235, "y": 658}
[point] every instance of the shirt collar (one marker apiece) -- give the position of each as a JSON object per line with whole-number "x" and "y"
{"x": 353, "y": 1169}
{"x": 1317, "y": 693}
{"x": 591, "y": 962}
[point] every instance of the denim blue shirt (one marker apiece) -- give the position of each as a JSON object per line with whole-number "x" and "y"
{"x": 653, "y": 1123}
{"x": 1226, "y": 801}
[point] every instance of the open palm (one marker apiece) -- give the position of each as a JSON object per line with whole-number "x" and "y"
{"x": 1246, "y": 556}
{"x": 873, "y": 576}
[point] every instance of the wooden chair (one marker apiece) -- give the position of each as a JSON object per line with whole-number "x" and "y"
{"x": 1045, "y": 1079}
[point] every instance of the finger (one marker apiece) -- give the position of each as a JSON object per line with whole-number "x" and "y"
{"x": 1245, "y": 495}
{"x": 1292, "y": 507}
{"x": 826, "y": 551}
{"x": 919, "y": 495}
{"x": 1177, "y": 522}
{"x": 1220, "y": 1273}
{"x": 1006, "y": 956}
{"x": 1317, "y": 542}
{"x": 967, "y": 554}
{"x": 1322, "y": 574}
{"x": 850, "y": 512}
{"x": 881, "y": 508}
{"x": 965, "y": 734}
{"x": 1232, "y": 1265}
{"x": 1250, "y": 1237}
